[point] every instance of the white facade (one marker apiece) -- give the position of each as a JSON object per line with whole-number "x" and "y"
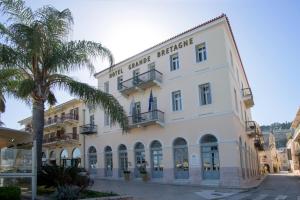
{"x": 195, "y": 129}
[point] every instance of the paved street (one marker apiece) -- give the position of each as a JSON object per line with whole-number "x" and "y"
{"x": 274, "y": 187}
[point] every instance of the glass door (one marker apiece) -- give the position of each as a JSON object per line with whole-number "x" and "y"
{"x": 210, "y": 162}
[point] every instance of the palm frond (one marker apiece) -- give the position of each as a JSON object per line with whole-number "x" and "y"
{"x": 51, "y": 99}
{"x": 94, "y": 96}
{"x": 25, "y": 88}
{"x": 16, "y": 10}
{"x": 75, "y": 55}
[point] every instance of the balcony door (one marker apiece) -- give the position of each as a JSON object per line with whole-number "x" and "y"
{"x": 151, "y": 74}
{"x": 137, "y": 112}
{"x": 135, "y": 75}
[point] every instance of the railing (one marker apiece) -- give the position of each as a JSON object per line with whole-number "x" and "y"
{"x": 143, "y": 119}
{"x": 247, "y": 92}
{"x": 151, "y": 75}
{"x": 60, "y": 119}
{"x": 63, "y": 137}
{"x": 88, "y": 129}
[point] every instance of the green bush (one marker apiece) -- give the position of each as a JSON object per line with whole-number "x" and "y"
{"x": 10, "y": 193}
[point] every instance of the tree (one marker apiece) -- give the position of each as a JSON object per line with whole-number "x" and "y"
{"x": 35, "y": 44}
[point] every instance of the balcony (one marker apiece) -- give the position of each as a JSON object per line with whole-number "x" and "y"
{"x": 248, "y": 97}
{"x": 141, "y": 82}
{"x": 146, "y": 119}
{"x": 252, "y": 129}
{"x": 88, "y": 129}
{"x": 59, "y": 121}
{"x": 258, "y": 144}
{"x": 62, "y": 139}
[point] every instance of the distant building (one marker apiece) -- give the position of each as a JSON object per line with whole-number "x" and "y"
{"x": 284, "y": 163}
{"x": 269, "y": 160}
{"x": 62, "y": 141}
{"x": 293, "y": 145}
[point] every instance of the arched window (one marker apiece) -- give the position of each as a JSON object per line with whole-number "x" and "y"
{"x": 63, "y": 157}
{"x": 156, "y": 159}
{"x": 92, "y": 159}
{"x": 181, "y": 158}
{"x": 210, "y": 157}
{"x": 76, "y": 157}
{"x": 123, "y": 160}
{"x": 52, "y": 158}
{"x": 140, "y": 162}
{"x": 108, "y": 161}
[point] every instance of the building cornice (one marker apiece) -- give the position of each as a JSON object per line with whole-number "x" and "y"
{"x": 210, "y": 22}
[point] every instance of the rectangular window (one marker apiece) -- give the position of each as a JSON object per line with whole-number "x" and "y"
{"x": 201, "y": 52}
{"x": 205, "y": 94}
{"x": 106, "y": 87}
{"x": 119, "y": 82}
{"x": 135, "y": 74}
{"x": 174, "y": 62}
{"x": 176, "y": 101}
{"x": 92, "y": 119}
{"x": 235, "y": 101}
{"x": 106, "y": 119}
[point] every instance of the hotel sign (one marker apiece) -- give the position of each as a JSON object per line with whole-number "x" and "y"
{"x": 160, "y": 53}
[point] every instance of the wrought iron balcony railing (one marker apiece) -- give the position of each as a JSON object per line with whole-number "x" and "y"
{"x": 146, "y": 119}
{"x": 61, "y": 119}
{"x": 252, "y": 128}
{"x": 61, "y": 138}
{"x": 141, "y": 81}
{"x": 88, "y": 129}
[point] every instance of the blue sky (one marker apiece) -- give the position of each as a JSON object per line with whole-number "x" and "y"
{"x": 267, "y": 34}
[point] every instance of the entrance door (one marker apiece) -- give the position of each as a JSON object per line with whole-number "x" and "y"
{"x": 156, "y": 160}
{"x": 108, "y": 161}
{"x": 181, "y": 160}
{"x": 123, "y": 160}
{"x": 140, "y": 163}
{"x": 210, "y": 157}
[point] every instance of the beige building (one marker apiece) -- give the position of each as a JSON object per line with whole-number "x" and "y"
{"x": 188, "y": 102}
{"x": 62, "y": 141}
{"x": 269, "y": 160}
{"x": 293, "y": 145}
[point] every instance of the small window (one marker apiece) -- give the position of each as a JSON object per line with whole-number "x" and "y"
{"x": 176, "y": 101}
{"x": 235, "y": 101}
{"x": 205, "y": 94}
{"x": 106, "y": 87}
{"x": 174, "y": 62}
{"x": 201, "y": 52}
{"x": 119, "y": 82}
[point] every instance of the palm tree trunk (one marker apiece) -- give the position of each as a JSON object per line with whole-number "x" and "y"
{"x": 38, "y": 129}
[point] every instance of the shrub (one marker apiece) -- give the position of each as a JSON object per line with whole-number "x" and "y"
{"x": 67, "y": 192}
{"x": 57, "y": 176}
{"x": 10, "y": 193}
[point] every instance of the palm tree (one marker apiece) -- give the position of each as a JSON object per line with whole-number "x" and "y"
{"x": 35, "y": 44}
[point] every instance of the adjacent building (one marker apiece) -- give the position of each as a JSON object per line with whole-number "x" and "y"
{"x": 189, "y": 103}
{"x": 62, "y": 143}
{"x": 293, "y": 145}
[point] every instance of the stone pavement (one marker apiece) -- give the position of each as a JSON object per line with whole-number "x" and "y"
{"x": 150, "y": 191}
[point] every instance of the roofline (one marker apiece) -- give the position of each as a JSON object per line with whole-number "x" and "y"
{"x": 53, "y": 108}
{"x": 180, "y": 34}
{"x": 163, "y": 42}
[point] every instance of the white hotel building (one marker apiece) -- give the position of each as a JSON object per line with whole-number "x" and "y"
{"x": 198, "y": 127}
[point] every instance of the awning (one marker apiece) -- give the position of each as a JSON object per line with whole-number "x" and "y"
{"x": 10, "y": 137}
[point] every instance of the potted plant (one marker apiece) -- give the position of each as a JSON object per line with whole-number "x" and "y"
{"x": 126, "y": 175}
{"x": 144, "y": 175}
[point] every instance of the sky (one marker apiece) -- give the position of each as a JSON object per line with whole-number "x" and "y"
{"x": 267, "y": 34}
